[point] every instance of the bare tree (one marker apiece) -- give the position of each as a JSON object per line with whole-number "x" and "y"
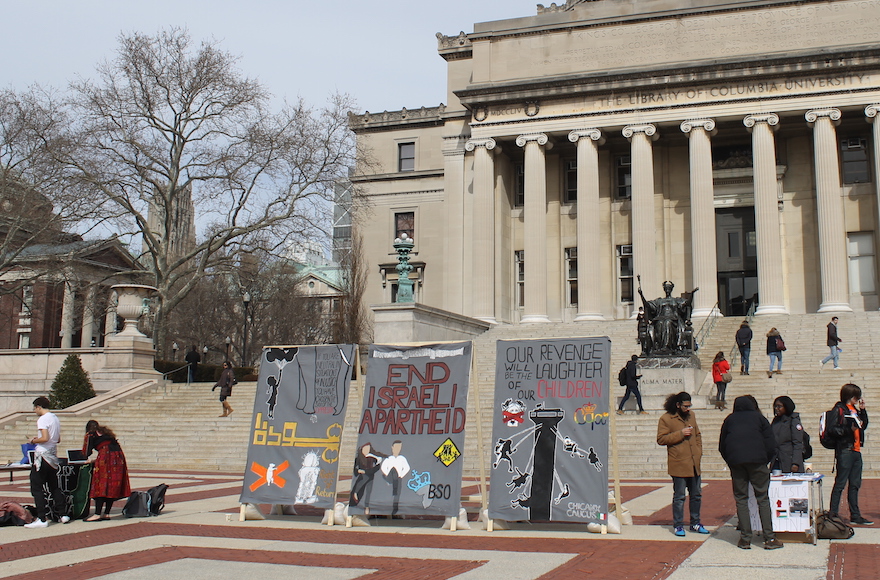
{"x": 171, "y": 132}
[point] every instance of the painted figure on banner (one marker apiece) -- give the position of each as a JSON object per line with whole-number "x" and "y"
{"x": 394, "y": 468}
{"x": 308, "y": 478}
{"x": 366, "y": 465}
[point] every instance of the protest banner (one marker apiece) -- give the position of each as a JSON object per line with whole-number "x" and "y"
{"x": 296, "y": 432}
{"x": 408, "y": 458}
{"x": 550, "y": 430}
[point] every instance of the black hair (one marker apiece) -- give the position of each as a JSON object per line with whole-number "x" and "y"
{"x": 672, "y": 402}
{"x": 42, "y": 402}
{"x": 848, "y": 391}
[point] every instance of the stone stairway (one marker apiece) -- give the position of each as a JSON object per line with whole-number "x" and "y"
{"x": 177, "y": 426}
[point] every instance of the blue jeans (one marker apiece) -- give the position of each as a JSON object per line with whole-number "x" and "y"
{"x": 849, "y": 470}
{"x": 835, "y": 355}
{"x": 692, "y": 485}
{"x": 744, "y": 352}
{"x": 633, "y": 391}
{"x": 778, "y": 357}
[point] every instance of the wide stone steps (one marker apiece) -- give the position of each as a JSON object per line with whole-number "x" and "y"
{"x": 178, "y": 425}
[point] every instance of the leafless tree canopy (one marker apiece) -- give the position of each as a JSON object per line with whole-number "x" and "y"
{"x": 169, "y": 118}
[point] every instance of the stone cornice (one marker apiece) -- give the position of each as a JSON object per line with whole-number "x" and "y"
{"x": 454, "y": 47}
{"x": 402, "y": 175}
{"x": 422, "y": 116}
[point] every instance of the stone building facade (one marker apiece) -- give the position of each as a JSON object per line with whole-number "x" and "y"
{"x": 720, "y": 144}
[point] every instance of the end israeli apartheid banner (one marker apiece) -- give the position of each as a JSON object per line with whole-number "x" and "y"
{"x": 299, "y": 411}
{"x": 408, "y": 458}
{"x": 550, "y": 430}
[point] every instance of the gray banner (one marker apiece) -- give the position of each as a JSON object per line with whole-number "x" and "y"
{"x": 550, "y": 430}
{"x": 411, "y": 435}
{"x": 299, "y": 411}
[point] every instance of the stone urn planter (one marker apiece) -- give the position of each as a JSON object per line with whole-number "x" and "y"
{"x": 130, "y": 306}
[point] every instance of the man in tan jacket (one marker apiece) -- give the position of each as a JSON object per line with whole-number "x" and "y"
{"x": 678, "y": 431}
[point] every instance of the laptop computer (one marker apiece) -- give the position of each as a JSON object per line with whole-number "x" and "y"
{"x": 75, "y": 457}
{"x": 25, "y": 447}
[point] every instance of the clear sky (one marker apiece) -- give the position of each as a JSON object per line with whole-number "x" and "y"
{"x": 383, "y": 53}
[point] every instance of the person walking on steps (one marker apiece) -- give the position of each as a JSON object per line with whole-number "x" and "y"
{"x": 775, "y": 347}
{"x": 677, "y": 430}
{"x": 720, "y": 367}
{"x": 744, "y": 342}
{"x": 192, "y": 358}
{"x": 227, "y": 379}
{"x": 632, "y": 385}
{"x": 832, "y": 342}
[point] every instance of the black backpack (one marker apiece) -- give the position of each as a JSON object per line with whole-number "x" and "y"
{"x": 621, "y": 377}
{"x": 808, "y": 449}
{"x": 826, "y": 438}
{"x": 138, "y": 505}
{"x": 157, "y": 498}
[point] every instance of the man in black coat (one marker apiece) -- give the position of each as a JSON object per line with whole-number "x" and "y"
{"x": 744, "y": 342}
{"x": 747, "y": 445}
{"x": 632, "y": 385}
{"x": 193, "y": 358}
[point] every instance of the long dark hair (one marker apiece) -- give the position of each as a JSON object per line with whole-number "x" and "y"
{"x": 94, "y": 428}
{"x": 672, "y": 402}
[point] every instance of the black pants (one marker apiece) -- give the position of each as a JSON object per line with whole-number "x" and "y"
{"x": 47, "y": 475}
{"x": 849, "y": 471}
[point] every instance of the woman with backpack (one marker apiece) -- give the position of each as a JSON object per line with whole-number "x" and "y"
{"x": 227, "y": 379}
{"x": 775, "y": 346}
{"x": 720, "y": 367}
{"x": 789, "y": 434}
{"x": 109, "y": 470}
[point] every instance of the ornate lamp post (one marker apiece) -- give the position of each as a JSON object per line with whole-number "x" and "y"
{"x": 174, "y": 348}
{"x": 228, "y": 342}
{"x": 404, "y": 246}
{"x": 246, "y": 302}
{"x": 205, "y": 352}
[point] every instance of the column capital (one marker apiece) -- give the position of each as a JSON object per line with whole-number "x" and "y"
{"x": 488, "y": 143}
{"x": 871, "y": 111}
{"x": 813, "y": 115}
{"x": 539, "y": 138}
{"x": 593, "y": 134}
{"x": 771, "y": 119}
{"x": 648, "y": 129}
{"x": 707, "y": 125}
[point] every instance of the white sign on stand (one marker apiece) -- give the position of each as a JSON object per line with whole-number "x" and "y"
{"x": 790, "y": 502}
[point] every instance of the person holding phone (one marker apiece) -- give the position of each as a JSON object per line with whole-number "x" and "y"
{"x": 849, "y": 432}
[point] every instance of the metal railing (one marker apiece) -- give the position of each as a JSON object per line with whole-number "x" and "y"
{"x": 706, "y": 328}
{"x": 171, "y": 372}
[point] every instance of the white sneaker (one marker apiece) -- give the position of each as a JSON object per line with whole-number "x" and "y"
{"x": 65, "y": 519}
{"x": 38, "y": 523}
{"x": 821, "y": 365}
{"x": 838, "y": 368}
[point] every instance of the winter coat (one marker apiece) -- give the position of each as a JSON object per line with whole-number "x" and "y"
{"x": 683, "y": 453}
{"x": 744, "y": 336}
{"x": 746, "y": 435}
{"x": 789, "y": 435}
{"x": 719, "y": 367}
{"x": 771, "y": 342}
{"x": 841, "y": 429}
{"x": 832, "y": 335}
{"x": 227, "y": 379}
{"x": 632, "y": 374}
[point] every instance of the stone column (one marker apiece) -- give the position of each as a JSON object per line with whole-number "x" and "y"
{"x": 453, "y": 186}
{"x": 88, "y": 327}
{"x": 871, "y": 111}
{"x": 829, "y": 208}
{"x": 67, "y": 310}
{"x": 704, "y": 259}
{"x": 588, "y": 238}
{"x": 483, "y": 251}
{"x": 535, "y": 227}
{"x": 644, "y": 236}
{"x": 770, "y": 284}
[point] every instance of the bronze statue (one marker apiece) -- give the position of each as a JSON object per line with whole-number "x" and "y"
{"x": 669, "y": 327}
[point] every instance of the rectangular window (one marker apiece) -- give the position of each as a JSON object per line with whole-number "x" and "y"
{"x": 405, "y": 223}
{"x": 519, "y": 185}
{"x": 406, "y": 157}
{"x": 625, "y": 274}
{"x": 733, "y": 245}
{"x": 860, "y": 251}
{"x": 623, "y": 166}
{"x": 571, "y": 275}
{"x": 24, "y": 340}
{"x": 854, "y": 166}
{"x": 27, "y": 300}
{"x": 520, "y": 269}
{"x": 570, "y": 194}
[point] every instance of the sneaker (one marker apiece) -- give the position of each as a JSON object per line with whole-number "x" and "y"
{"x": 620, "y": 411}
{"x": 821, "y": 365}
{"x": 699, "y": 529}
{"x": 38, "y": 523}
{"x": 769, "y": 374}
{"x": 745, "y": 373}
{"x": 837, "y": 369}
{"x": 744, "y": 544}
{"x": 860, "y": 521}
{"x": 65, "y": 519}
{"x": 779, "y": 372}
{"x": 773, "y": 544}
{"x": 643, "y": 412}
{"x": 679, "y": 531}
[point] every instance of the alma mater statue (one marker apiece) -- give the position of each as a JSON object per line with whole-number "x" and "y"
{"x": 668, "y": 330}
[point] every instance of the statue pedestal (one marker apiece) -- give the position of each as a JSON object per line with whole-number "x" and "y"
{"x": 663, "y": 376}
{"x": 127, "y": 358}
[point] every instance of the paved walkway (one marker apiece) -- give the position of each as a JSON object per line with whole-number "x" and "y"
{"x": 198, "y": 536}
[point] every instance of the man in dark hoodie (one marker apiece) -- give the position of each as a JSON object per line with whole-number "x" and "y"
{"x": 747, "y": 445}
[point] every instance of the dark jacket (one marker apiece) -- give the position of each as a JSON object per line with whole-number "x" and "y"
{"x": 632, "y": 374}
{"x": 746, "y": 435}
{"x": 841, "y": 428}
{"x": 832, "y": 335}
{"x": 789, "y": 434}
{"x": 193, "y": 357}
{"x": 744, "y": 336}
{"x": 227, "y": 379}
{"x": 771, "y": 342}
